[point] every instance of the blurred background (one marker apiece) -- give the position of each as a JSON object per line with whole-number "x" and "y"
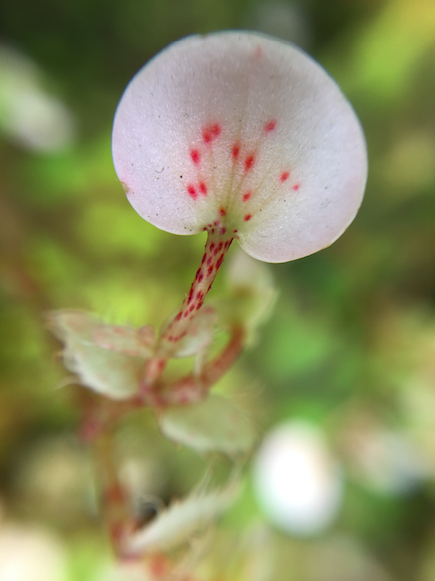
{"x": 342, "y": 378}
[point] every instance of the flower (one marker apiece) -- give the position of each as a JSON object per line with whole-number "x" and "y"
{"x": 243, "y": 136}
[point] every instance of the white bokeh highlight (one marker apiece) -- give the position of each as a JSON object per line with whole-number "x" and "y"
{"x": 298, "y": 483}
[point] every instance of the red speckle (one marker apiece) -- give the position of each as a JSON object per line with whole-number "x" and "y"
{"x": 195, "y": 156}
{"x": 209, "y": 271}
{"x": 222, "y": 230}
{"x": 249, "y": 162}
{"x": 186, "y": 314}
{"x": 247, "y": 196}
{"x": 296, "y": 187}
{"x": 216, "y": 223}
{"x": 190, "y": 297}
{"x": 220, "y": 246}
{"x": 159, "y": 566}
{"x": 212, "y": 245}
{"x": 258, "y": 53}
{"x": 284, "y": 176}
{"x": 210, "y": 260}
{"x": 178, "y": 317}
{"x": 211, "y": 132}
{"x": 192, "y": 191}
{"x": 203, "y": 188}
{"x": 200, "y": 277}
{"x": 235, "y": 151}
{"x": 199, "y": 305}
{"x": 191, "y": 308}
{"x": 222, "y": 212}
{"x": 219, "y": 261}
{"x": 212, "y": 230}
{"x": 270, "y": 126}
{"x": 247, "y": 217}
{"x": 199, "y": 295}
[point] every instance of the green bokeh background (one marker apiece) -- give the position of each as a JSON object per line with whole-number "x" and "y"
{"x": 351, "y": 344}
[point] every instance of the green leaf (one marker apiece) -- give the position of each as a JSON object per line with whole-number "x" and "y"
{"x": 126, "y": 340}
{"x": 105, "y": 371}
{"x": 176, "y": 525}
{"x": 214, "y": 424}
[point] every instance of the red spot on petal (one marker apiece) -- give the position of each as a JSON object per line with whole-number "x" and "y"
{"x": 222, "y": 212}
{"x": 296, "y": 187}
{"x": 178, "y": 317}
{"x": 195, "y": 156}
{"x": 220, "y": 246}
{"x": 270, "y": 126}
{"x": 199, "y": 305}
{"x": 209, "y": 271}
{"x": 211, "y": 132}
{"x": 209, "y": 260}
{"x": 192, "y": 191}
{"x": 258, "y": 53}
{"x": 284, "y": 176}
{"x": 247, "y": 196}
{"x": 249, "y": 162}
{"x": 247, "y": 217}
{"x": 216, "y": 130}
{"x": 222, "y": 230}
{"x": 200, "y": 277}
{"x": 212, "y": 245}
{"x": 202, "y": 188}
{"x": 235, "y": 151}
{"x": 191, "y": 308}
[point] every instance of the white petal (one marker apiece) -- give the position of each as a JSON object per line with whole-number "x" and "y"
{"x": 249, "y": 124}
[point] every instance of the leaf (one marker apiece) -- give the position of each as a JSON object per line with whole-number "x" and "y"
{"x": 107, "y": 372}
{"x": 176, "y": 525}
{"x": 126, "y": 340}
{"x": 252, "y": 293}
{"x": 214, "y": 424}
{"x": 199, "y": 335}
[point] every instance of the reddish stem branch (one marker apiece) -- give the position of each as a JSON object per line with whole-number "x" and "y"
{"x": 192, "y": 388}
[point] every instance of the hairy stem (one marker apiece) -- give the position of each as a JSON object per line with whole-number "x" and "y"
{"x": 217, "y": 245}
